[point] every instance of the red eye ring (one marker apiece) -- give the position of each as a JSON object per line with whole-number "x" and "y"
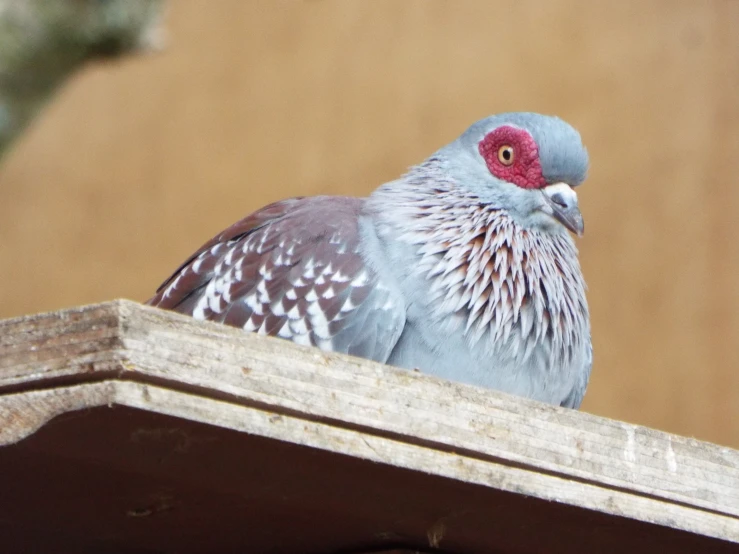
{"x": 523, "y": 169}
{"x": 506, "y": 155}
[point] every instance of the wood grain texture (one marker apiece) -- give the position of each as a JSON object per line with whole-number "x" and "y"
{"x": 138, "y": 163}
{"x": 156, "y": 483}
{"x": 125, "y": 354}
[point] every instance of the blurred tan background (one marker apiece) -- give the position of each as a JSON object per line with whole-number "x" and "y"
{"x": 135, "y": 164}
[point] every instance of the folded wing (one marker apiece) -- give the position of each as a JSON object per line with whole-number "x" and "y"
{"x": 294, "y": 270}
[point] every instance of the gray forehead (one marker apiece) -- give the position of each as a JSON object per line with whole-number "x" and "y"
{"x": 561, "y": 152}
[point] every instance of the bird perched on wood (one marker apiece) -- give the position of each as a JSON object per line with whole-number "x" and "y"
{"x": 462, "y": 268}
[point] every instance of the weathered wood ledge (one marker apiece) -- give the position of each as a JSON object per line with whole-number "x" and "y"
{"x": 405, "y": 458}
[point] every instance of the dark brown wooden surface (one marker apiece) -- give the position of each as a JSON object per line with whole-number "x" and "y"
{"x": 117, "y": 480}
{"x": 129, "y": 429}
{"x": 137, "y": 163}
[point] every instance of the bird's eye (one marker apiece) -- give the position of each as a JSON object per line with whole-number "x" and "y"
{"x": 506, "y": 154}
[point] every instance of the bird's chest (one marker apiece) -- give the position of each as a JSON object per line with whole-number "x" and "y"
{"x": 513, "y": 361}
{"x": 502, "y": 318}
{"x": 488, "y": 302}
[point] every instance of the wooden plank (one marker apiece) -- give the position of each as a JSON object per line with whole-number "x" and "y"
{"x": 159, "y": 481}
{"x": 125, "y": 354}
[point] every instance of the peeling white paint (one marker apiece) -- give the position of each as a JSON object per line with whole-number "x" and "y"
{"x": 630, "y": 450}
{"x": 670, "y": 457}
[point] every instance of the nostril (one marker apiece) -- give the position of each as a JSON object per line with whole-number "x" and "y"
{"x": 559, "y": 200}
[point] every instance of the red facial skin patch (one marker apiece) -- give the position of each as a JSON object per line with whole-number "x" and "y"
{"x": 525, "y": 171}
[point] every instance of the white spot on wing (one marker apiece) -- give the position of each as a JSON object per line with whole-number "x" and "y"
{"x": 339, "y": 277}
{"x": 311, "y": 296}
{"x": 294, "y": 313}
{"x": 262, "y": 290}
{"x": 318, "y": 321}
{"x": 299, "y": 326}
{"x": 278, "y": 308}
{"x": 264, "y": 273}
{"x": 199, "y": 311}
{"x": 360, "y": 280}
{"x": 285, "y": 331}
{"x": 326, "y": 345}
{"x": 251, "y": 301}
{"x": 229, "y": 256}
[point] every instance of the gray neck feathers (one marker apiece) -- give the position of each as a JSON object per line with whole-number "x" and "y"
{"x": 507, "y": 289}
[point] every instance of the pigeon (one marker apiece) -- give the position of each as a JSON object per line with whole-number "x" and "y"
{"x": 463, "y": 268}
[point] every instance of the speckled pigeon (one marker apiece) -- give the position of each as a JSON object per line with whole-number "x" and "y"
{"x": 462, "y": 268}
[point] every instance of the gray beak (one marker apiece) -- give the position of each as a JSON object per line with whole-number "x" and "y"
{"x": 562, "y": 201}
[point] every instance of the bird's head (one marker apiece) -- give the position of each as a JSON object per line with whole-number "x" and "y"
{"x": 526, "y": 164}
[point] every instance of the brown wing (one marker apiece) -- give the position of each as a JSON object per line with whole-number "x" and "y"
{"x": 293, "y": 270}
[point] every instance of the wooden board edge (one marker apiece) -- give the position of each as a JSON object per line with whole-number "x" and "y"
{"x": 141, "y": 329}
{"x": 24, "y": 413}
